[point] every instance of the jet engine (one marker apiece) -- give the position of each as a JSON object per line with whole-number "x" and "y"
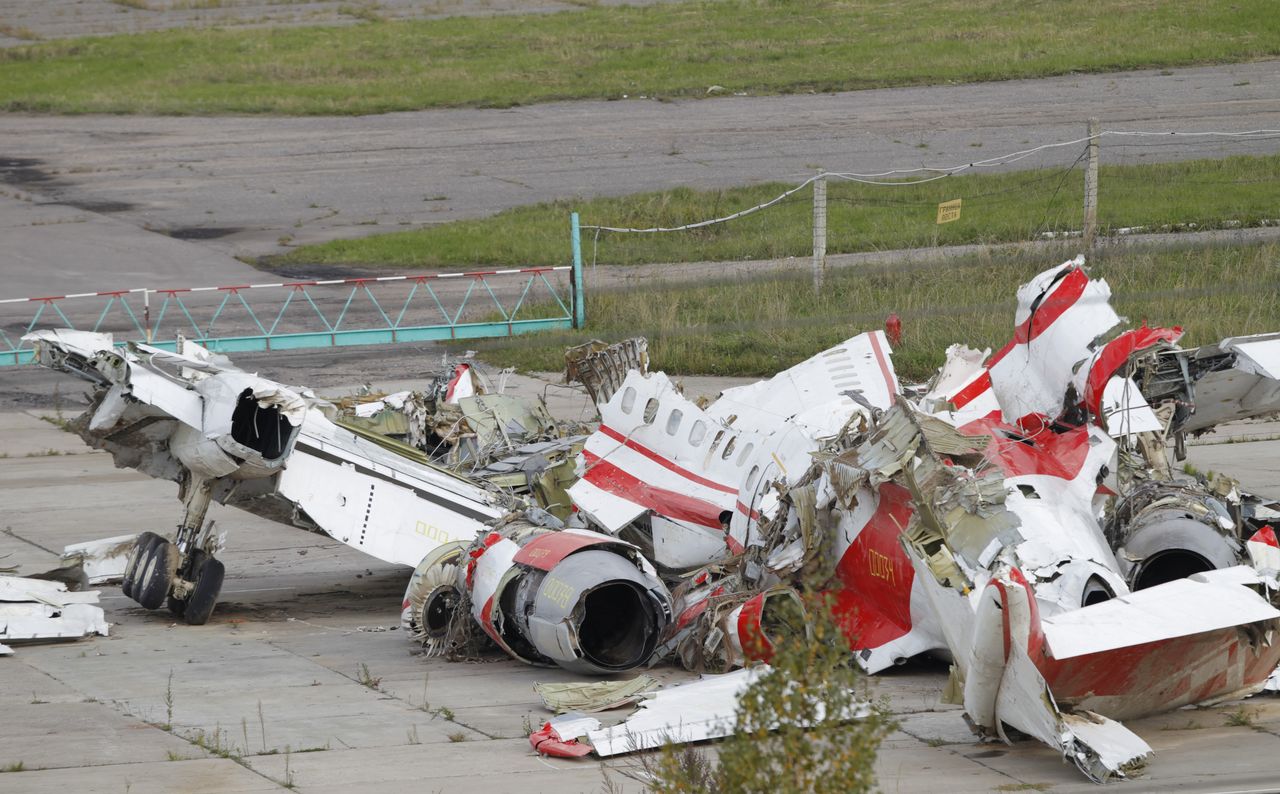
{"x": 585, "y": 601}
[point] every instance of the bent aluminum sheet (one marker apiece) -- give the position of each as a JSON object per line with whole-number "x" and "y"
{"x": 1199, "y": 603}
{"x": 693, "y": 712}
{"x": 35, "y": 610}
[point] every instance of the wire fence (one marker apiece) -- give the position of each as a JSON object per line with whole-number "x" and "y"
{"x": 1147, "y": 181}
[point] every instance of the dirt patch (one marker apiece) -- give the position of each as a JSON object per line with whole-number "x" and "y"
{"x": 24, "y": 171}
{"x": 203, "y": 232}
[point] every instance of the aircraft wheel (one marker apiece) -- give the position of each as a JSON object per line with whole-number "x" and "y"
{"x": 138, "y": 555}
{"x": 204, "y": 596}
{"x": 178, "y": 606}
{"x": 155, "y": 575}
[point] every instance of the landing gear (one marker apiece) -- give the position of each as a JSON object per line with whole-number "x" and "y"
{"x": 137, "y": 558}
{"x": 155, "y": 574}
{"x": 201, "y": 579}
{"x": 183, "y": 571}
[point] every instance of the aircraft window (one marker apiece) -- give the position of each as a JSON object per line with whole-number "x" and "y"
{"x": 673, "y": 422}
{"x": 697, "y": 432}
{"x": 628, "y": 399}
{"x": 728, "y": 449}
{"x": 746, "y": 453}
{"x": 715, "y": 442}
{"x": 651, "y": 410}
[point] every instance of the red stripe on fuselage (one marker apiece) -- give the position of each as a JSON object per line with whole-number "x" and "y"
{"x": 664, "y": 462}
{"x": 884, "y": 365}
{"x": 1063, "y": 296}
{"x": 680, "y": 507}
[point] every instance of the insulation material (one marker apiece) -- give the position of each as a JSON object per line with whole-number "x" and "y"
{"x": 594, "y": 696}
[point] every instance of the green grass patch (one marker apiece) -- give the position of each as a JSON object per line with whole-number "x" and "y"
{"x": 997, "y": 207}
{"x": 761, "y": 326}
{"x": 665, "y": 50}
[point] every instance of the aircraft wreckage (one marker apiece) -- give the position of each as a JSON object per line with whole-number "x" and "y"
{"x": 1018, "y": 515}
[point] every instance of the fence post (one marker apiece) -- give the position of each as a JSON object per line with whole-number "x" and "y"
{"x": 579, "y": 305}
{"x": 819, "y": 231}
{"x": 1091, "y": 189}
{"x": 146, "y": 314}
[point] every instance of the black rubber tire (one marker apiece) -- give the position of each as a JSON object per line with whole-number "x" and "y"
{"x": 204, "y": 596}
{"x": 178, "y": 606}
{"x": 141, "y": 547}
{"x": 155, "y": 575}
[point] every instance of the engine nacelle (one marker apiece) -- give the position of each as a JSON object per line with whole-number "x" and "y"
{"x": 1171, "y": 531}
{"x": 581, "y": 600}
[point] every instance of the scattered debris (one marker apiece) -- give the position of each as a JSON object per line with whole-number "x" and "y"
{"x": 602, "y": 368}
{"x": 465, "y": 424}
{"x": 1017, "y": 514}
{"x": 39, "y": 610}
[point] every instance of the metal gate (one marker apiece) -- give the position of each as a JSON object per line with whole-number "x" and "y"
{"x": 311, "y": 314}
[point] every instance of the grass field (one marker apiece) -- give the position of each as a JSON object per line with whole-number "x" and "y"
{"x": 997, "y": 208}
{"x": 761, "y": 326}
{"x": 666, "y": 50}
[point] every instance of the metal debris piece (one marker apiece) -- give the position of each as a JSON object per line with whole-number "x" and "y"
{"x": 684, "y": 713}
{"x": 1018, "y": 514}
{"x": 37, "y": 610}
{"x": 602, "y": 367}
{"x": 102, "y": 561}
{"x": 692, "y": 712}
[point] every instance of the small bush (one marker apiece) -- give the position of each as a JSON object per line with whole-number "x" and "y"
{"x": 814, "y": 682}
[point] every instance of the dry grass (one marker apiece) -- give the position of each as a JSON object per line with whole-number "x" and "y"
{"x": 998, "y": 207}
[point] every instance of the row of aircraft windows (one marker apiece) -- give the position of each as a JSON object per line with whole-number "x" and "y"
{"x": 697, "y": 432}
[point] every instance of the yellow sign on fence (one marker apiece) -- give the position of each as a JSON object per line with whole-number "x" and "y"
{"x": 949, "y": 211}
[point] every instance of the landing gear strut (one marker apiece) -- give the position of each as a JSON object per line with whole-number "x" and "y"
{"x": 184, "y": 570}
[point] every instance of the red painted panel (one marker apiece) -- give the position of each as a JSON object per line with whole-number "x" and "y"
{"x": 546, "y": 551}
{"x": 873, "y": 578}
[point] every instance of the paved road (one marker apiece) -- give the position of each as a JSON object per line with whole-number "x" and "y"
{"x": 244, "y": 185}
{"x": 27, "y": 21}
